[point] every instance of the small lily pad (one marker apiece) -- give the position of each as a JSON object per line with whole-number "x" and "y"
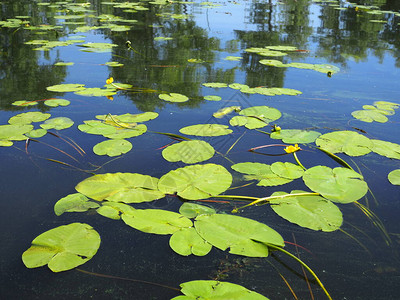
{"x": 173, "y": 97}
{"x": 57, "y": 123}
{"x": 57, "y": 102}
{"x": 206, "y": 130}
{"x": 212, "y": 98}
{"x": 67, "y": 87}
{"x": 76, "y": 202}
{"x": 260, "y": 172}
{"x": 192, "y": 210}
{"x": 113, "y": 147}
{"x": 295, "y": 136}
{"x": 29, "y": 117}
{"x": 189, "y": 152}
{"x": 215, "y": 84}
{"x": 394, "y": 177}
{"x": 187, "y": 241}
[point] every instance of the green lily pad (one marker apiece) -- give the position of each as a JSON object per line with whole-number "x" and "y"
{"x": 216, "y": 290}
{"x": 97, "y": 47}
{"x": 295, "y": 136}
{"x": 113, "y": 64}
{"x": 206, "y": 130}
{"x": 241, "y": 235}
{"x": 113, "y": 210}
{"x": 62, "y": 63}
{"x": 313, "y": 212}
{"x": 192, "y": 210}
{"x": 67, "y": 87}
{"x": 369, "y": 115}
{"x": 233, "y": 58}
{"x": 4, "y": 143}
{"x": 238, "y": 86}
{"x": 212, "y": 98}
{"x": 272, "y": 62}
{"x": 97, "y": 92}
{"x": 287, "y": 170}
{"x": 196, "y": 181}
{"x": 156, "y": 221}
{"x": 189, "y": 152}
{"x": 112, "y": 147}
{"x": 128, "y": 118}
{"x": 24, "y": 103}
{"x": 57, "y": 102}
{"x": 63, "y": 248}
{"x": 14, "y": 132}
{"x": 173, "y": 97}
{"x": 386, "y": 105}
{"x": 127, "y": 133}
{"x": 29, "y": 117}
{"x": 36, "y": 133}
{"x": 348, "y": 142}
{"x": 264, "y": 113}
{"x": 187, "y": 241}
{"x": 248, "y": 122}
{"x": 341, "y": 185}
{"x": 226, "y": 110}
{"x": 74, "y": 203}
{"x": 386, "y": 149}
{"x": 215, "y": 84}
{"x": 394, "y": 177}
{"x": 97, "y": 127}
{"x": 120, "y": 187}
{"x": 57, "y": 123}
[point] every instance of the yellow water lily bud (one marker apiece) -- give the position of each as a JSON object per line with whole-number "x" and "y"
{"x": 110, "y": 80}
{"x": 291, "y": 148}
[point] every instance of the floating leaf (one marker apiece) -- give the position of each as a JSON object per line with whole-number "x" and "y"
{"x": 238, "y": 86}
{"x": 156, "y": 221}
{"x": 74, "y": 203}
{"x": 173, "y": 97}
{"x": 248, "y": 122}
{"x": 97, "y": 127}
{"x": 243, "y": 236}
{"x": 387, "y": 149}
{"x": 206, "y": 130}
{"x": 112, "y": 147}
{"x": 233, "y": 58}
{"x": 295, "y": 136}
{"x": 226, "y": 110}
{"x": 264, "y": 113}
{"x": 4, "y": 143}
{"x": 113, "y": 64}
{"x": 29, "y": 117}
{"x": 260, "y": 172}
{"x": 61, "y": 63}
{"x": 341, "y": 185}
{"x": 67, "y": 87}
{"x": 129, "y": 118}
{"x": 212, "y": 98}
{"x": 127, "y": 133}
{"x": 113, "y": 210}
{"x": 14, "y": 132}
{"x": 369, "y": 116}
{"x": 189, "y": 152}
{"x": 216, "y": 290}
{"x": 215, "y": 84}
{"x": 24, "y": 103}
{"x": 56, "y": 102}
{"x": 187, "y": 241}
{"x": 394, "y": 177}
{"x": 287, "y": 170}
{"x": 192, "y": 210}
{"x": 57, "y": 123}
{"x": 120, "y": 187}
{"x": 313, "y": 212}
{"x": 63, "y": 248}
{"x": 97, "y": 92}
{"x": 349, "y": 142}
{"x": 98, "y": 47}
{"x": 36, "y": 133}
{"x": 196, "y": 181}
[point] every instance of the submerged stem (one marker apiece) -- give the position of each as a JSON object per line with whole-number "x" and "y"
{"x": 298, "y": 161}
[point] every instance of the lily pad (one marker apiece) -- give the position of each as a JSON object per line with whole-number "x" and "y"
{"x": 394, "y": 177}
{"x": 215, "y": 84}
{"x": 192, "y": 210}
{"x": 386, "y": 149}
{"x": 189, "y": 152}
{"x": 57, "y": 123}
{"x": 287, "y": 170}
{"x": 348, "y": 142}
{"x": 74, "y": 203}
{"x": 29, "y": 117}
{"x": 24, "y": 103}
{"x": 97, "y": 127}
{"x": 226, "y": 110}
{"x": 369, "y": 115}
{"x": 212, "y": 98}
{"x": 127, "y": 133}
{"x": 113, "y": 210}
{"x": 313, "y": 212}
{"x": 129, "y": 118}
{"x": 112, "y": 147}
{"x": 263, "y": 113}
{"x": 187, "y": 241}
{"x": 216, "y": 290}
{"x": 173, "y": 97}
{"x": 295, "y": 136}
{"x": 14, "y": 132}
{"x": 341, "y": 185}
{"x": 196, "y": 181}
{"x": 97, "y": 92}
{"x": 120, "y": 187}
{"x": 156, "y": 221}
{"x": 36, "y": 133}
{"x": 206, "y": 130}
{"x": 241, "y": 235}
{"x": 98, "y": 47}
{"x": 67, "y": 87}
{"x": 63, "y": 248}
{"x": 57, "y": 102}
{"x": 248, "y": 122}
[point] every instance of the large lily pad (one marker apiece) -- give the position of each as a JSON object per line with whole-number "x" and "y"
{"x": 129, "y": 118}
{"x": 348, "y": 142}
{"x": 120, "y": 187}
{"x": 57, "y": 123}
{"x": 206, "y": 130}
{"x": 97, "y": 127}
{"x": 187, "y": 241}
{"x": 295, "y": 136}
{"x": 74, "y": 203}
{"x": 113, "y": 147}
{"x": 287, "y": 170}
{"x": 241, "y": 235}
{"x": 313, "y": 212}
{"x": 341, "y": 185}
{"x": 189, "y": 152}
{"x": 126, "y": 133}
{"x": 29, "y": 117}
{"x": 264, "y": 113}
{"x": 67, "y": 87}
{"x": 216, "y": 290}
{"x": 156, "y": 221}
{"x": 173, "y": 97}
{"x": 14, "y": 132}
{"x": 196, "y": 181}
{"x": 387, "y": 149}
{"x": 63, "y": 248}
{"x": 369, "y": 115}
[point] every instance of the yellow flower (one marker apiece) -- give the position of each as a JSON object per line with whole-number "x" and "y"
{"x": 291, "y": 149}
{"x": 110, "y": 80}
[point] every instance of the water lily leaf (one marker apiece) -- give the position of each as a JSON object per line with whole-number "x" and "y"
{"x": 24, "y": 103}
{"x": 57, "y": 123}
{"x": 241, "y": 235}
{"x": 127, "y": 133}
{"x": 272, "y": 62}
{"x": 14, "y": 132}
{"x": 192, "y": 210}
{"x": 287, "y": 170}
{"x": 97, "y": 127}
{"x": 109, "y": 212}
{"x": 112, "y": 147}
{"x": 295, "y": 136}
{"x": 189, "y": 152}
{"x": 67, "y": 87}
{"x": 213, "y": 290}
{"x": 56, "y": 102}
{"x": 120, "y": 187}
{"x": 63, "y": 248}
{"x": 394, "y": 177}
{"x": 260, "y": 172}
{"x": 113, "y": 64}
{"x": 97, "y": 92}
{"x": 349, "y": 142}
{"x": 238, "y": 86}
{"x": 4, "y": 143}
{"x": 29, "y": 117}
{"x": 156, "y": 221}
{"x": 76, "y": 202}
{"x": 386, "y": 105}
{"x": 196, "y": 181}
{"x": 212, "y": 98}
{"x": 233, "y": 58}
{"x": 62, "y": 63}
{"x": 369, "y": 115}
{"x": 215, "y": 84}
{"x": 97, "y": 47}
{"x": 226, "y": 110}
{"x": 387, "y": 149}
{"x": 206, "y": 130}
{"x": 36, "y": 133}
{"x": 341, "y": 185}
{"x": 130, "y": 118}
{"x": 173, "y": 97}
{"x": 264, "y": 113}
{"x": 248, "y": 122}
{"x": 313, "y": 212}
{"x": 187, "y": 241}
{"x": 282, "y": 48}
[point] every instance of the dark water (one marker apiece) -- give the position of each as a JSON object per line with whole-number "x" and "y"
{"x": 368, "y": 55}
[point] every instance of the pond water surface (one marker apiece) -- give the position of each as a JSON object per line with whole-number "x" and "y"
{"x": 177, "y": 47}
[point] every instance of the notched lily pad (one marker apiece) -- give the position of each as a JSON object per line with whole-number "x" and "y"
{"x": 29, "y": 117}
{"x": 206, "y": 130}
{"x": 113, "y": 147}
{"x": 348, "y": 142}
{"x": 74, "y": 203}
{"x": 57, "y": 123}
{"x": 295, "y": 136}
{"x": 173, "y": 97}
{"x": 187, "y": 241}
{"x": 394, "y": 177}
{"x": 192, "y": 210}
{"x": 189, "y": 152}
